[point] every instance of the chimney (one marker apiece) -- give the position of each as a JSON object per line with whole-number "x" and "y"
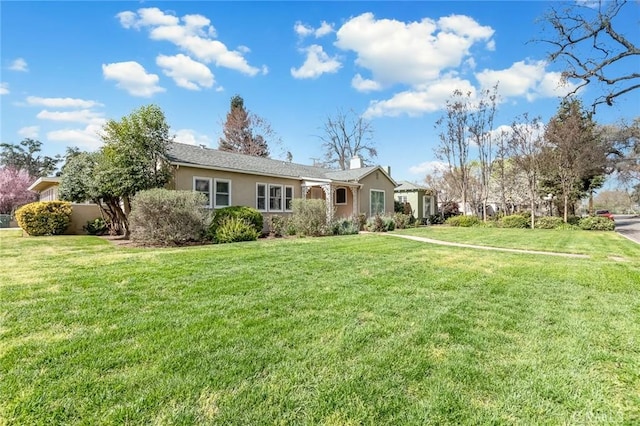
{"x": 388, "y": 170}
{"x": 356, "y": 162}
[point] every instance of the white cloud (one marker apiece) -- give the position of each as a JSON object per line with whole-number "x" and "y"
{"x": 192, "y": 137}
{"x": 302, "y": 30}
{"x": 324, "y": 29}
{"x": 316, "y": 64}
{"x": 192, "y": 33}
{"x": 4, "y": 88}
{"x": 29, "y": 132}
{"x": 428, "y": 98}
{"x": 79, "y": 116}
{"x": 305, "y": 30}
{"x": 62, "y": 102}
{"x": 132, "y": 77}
{"x": 428, "y": 167}
{"x": 185, "y": 71}
{"x": 127, "y": 19}
{"x": 19, "y": 65}
{"x": 87, "y": 138}
{"x": 525, "y": 78}
{"x": 364, "y": 85}
{"x": 410, "y": 53}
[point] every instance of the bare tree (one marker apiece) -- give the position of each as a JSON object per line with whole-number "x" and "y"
{"x": 347, "y": 135}
{"x": 525, "y": 149}
{"x": 455, "y": 140}
{"x": 580, "y": 28}
{"x": 481, "y": 128}
{"x": 246, "y": 132}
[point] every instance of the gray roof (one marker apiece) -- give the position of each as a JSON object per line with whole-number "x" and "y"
{"x": 198, "y": 156}
{"x": 409, "y": 186}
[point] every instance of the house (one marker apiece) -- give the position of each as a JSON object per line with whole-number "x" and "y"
{"x": 268, "y": 185}
{"x": 81, "y": 213}
{"x": 423, "y": 201}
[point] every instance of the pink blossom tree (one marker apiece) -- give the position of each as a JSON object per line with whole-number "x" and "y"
{"x": 13, "y": 189}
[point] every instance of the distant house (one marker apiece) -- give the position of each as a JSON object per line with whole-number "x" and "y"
{"x": 81, "y": 213}
{"x": 423, "y": 201}
{"x": 268, "y": 185}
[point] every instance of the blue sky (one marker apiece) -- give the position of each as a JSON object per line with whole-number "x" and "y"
{"x": 66, "y": 67}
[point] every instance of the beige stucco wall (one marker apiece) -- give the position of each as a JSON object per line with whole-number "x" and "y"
{"x": 243, "y": 186}
{"x": 80, "y": 215}
{"x": 376, "y": 180}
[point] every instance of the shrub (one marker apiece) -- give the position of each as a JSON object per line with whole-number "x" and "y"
{"x": 379, "y": 223}
{"x": 360, "y": 219}
{"x": 248, "y": 214}
{"x": 463, "y": 221}
{"x": 575, "y": 220}
{"x": 97, "y": 226}
{"x": 549, "y": 222}
{"x": 277, "y": 225}
{"x": 44, "y": 217}
{"x": 233, "y": 229}
{"x": 344, "y": 227}
{"x": 435, "y": 219}
{"x": 450, "y": 208}
{"x": 309, "y": 217}
{"x": 596, "y": 223}
{"x": 514, "y": 221}
{"x": 401, "y": 220}
{"x": 164, "y": 217}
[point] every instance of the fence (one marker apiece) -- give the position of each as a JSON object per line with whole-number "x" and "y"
{"x": 5, "y": 219}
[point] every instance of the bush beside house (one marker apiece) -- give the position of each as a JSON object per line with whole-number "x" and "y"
{"x": 44, "y": 217}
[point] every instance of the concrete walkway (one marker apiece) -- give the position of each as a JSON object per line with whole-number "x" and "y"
{"x": 447, "y": 243}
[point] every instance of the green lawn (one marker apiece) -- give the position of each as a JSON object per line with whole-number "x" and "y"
{"x": 598, "y": 244}
{"x": 364, "y": 329}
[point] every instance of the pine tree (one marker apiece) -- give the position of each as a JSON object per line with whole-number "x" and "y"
{"x": 239, "y": 133}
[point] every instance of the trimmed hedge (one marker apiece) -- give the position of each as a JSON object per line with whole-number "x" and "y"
{"x": 247, "y": 214}
{"x": 597, "y": 223}
{"x": 44, "y": 217}
{"x": 463, "y": 221}
{"x": 549, "y": 222}
{"x": 515, "y": 221}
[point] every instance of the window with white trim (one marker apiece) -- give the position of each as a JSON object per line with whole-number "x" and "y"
{"x": 376, "y": 198}
{"x": 275, "y": 197}
{"x": 341, "y": 196}
{"x": 261, "y": 197}
{"x": 288, "y": 198}
{"x": 402, "y": 198}
{"x": 222, "y": 193}
{"x": 203, "y": 186}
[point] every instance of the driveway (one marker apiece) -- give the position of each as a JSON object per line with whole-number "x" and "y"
{"x": 628, "y": 226}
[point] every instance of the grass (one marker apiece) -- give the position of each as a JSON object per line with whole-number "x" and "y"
{"x": 599, "y": 244}
{"x": 362, "y": 329}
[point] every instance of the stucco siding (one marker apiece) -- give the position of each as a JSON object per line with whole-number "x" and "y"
{"x": 243, "y": 186}
{"x": 376, "y": 180}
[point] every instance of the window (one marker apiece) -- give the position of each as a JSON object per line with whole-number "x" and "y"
{"x": 261, "y": 197}
{"x": 377, "y": 202}
{"x": 402, "y": 198}
{"x": 288, "y": 198}
{"x": 203, "y": 186}
{"x": 341, "y": 196}
{"x": 223, "y": 193}
{"x": 275, "y": 197}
